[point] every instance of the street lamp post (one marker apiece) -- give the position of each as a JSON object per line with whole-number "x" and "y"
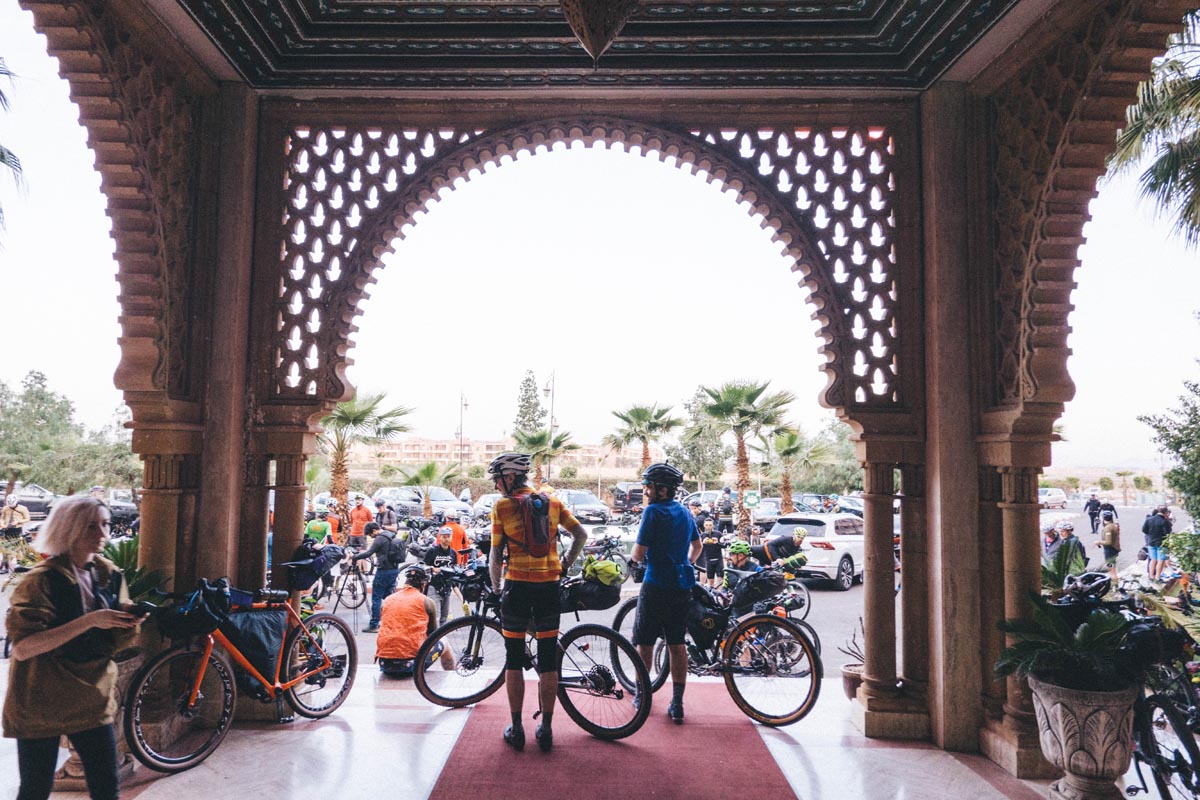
{"x": 548, "y": 391}
{"x": 462, "y": 406}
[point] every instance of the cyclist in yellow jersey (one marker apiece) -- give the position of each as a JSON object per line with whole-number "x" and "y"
{"x": 531, "y": 594}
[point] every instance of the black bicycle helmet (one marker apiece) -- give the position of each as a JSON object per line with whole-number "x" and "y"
{"x": 1092, "y": 585}
{"x": 663, "y": 474}
{"x": 415, "y": 575}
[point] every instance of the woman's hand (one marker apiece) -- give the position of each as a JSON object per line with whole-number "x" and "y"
{"x": 111, "y": 618}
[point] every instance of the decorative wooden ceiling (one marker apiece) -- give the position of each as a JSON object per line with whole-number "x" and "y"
{"x": 417, "y": 44}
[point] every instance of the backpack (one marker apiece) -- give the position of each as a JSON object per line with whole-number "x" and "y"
{"x": 726, "y": 504}
{"x": 396, "y": 553}
{"x": 535, "y": 512}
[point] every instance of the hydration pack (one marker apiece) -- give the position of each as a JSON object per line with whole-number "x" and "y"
{"x": 535, "y": 513}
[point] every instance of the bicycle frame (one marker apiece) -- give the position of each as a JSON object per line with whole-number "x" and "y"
{"x": 272, "y": 686}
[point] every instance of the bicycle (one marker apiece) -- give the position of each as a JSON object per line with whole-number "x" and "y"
{"x": 350, "y": 587}
{"x": 180, "y": 705}
{"x": 608, "y": 547}
{"x": 599, "y": 672}
{"x": 771, "y": 666}
{"x": 793, "y": 602}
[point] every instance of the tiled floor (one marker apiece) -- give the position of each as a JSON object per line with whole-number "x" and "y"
{"x": 387, "y": 741}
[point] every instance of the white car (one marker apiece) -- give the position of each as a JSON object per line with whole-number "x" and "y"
{"x": 1052, "y": 498}
{"x": 834, "y": 546}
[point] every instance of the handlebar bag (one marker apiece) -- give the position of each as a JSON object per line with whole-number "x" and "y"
{"x": 187, "y": 618}
{"x": 758, "y": 586}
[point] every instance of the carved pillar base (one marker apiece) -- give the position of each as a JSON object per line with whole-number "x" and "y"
{"x": 1017, "y": 752}
{"x": 899, "y": 717}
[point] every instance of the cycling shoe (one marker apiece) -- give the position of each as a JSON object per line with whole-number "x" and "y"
{"x": 515, "y": 739}
{"x": 675, "y": 713}
{"x": 545, "y": 738}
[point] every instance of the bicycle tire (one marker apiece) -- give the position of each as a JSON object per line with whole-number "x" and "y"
{"x": 321, "y": 693}
{"x": 797, "y": 586}
{"x": 1176, "y": 775}
{"x": 660, "y": 666}
{"x": 761, "y": 649}
{"x": 352, "y": 589}
{"x": 622, "y": 562}
{"x": 589, "y": 688}
{"x": 154, "y": 707}
{"x": 809, "y": 631}
{"x": 477, "y": 648}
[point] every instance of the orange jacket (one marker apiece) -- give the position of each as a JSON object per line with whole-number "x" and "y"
{"x": 458, "y": 539}
{"x": 406, "y": 619}
{"x": 359, "y": 517}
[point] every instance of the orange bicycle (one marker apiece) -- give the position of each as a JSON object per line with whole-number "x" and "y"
{"x": 181, "y": 704}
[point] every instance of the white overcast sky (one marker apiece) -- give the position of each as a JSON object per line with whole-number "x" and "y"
{"x": 585, "y": 253}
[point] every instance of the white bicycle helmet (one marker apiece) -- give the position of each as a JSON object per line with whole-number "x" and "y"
{"x": 509, "y": 462}
{"x": 451, "y": 513}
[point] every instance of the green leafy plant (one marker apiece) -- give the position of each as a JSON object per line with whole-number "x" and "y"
{"x": 1088, "y": 658}
{"x": 141, "y": 582}
{"x": 1184, "y": 547}
{"x": 1066, "y": 561}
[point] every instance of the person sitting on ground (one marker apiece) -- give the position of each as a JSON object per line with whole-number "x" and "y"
{"x": 783, "y": 551}
{"x": 408, "y": 618}
{"x": 1110, "y": 540}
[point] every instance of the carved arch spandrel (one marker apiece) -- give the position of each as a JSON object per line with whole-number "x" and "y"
{"x": 1054, "y": 125}
{"x": 826, "y": 192}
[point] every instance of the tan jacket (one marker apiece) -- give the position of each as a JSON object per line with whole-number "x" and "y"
{"x": 14, "y": 517}
{"x": 53, "y": 693}
{"x": 1110, "y": 535}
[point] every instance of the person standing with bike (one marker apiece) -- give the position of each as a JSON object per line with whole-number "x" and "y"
{"x": 391, "y": 554}
{"x": 524, "y": 527}
{"x": 668, "y": 544}
{"x": 67, "y": 618}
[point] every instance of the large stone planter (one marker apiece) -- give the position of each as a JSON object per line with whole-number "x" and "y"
{"x": 852, "y": 678}
{"x": 1088, "y": 735}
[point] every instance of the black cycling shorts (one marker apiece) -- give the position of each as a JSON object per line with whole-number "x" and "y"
{"x": 715, "y": 566}
{"x": 661, "y": 614}
{"x": 523, "y": 603}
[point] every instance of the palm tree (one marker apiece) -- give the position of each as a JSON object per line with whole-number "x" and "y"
{"x": 643, "y": 424}
{"x": 8, "y": 158}
{"x": 748, "y": 412}
{"x": 359, "y": 419}
{"x": 541, "y": 447}
{"x": 797, "y": 455}
{"x": 1124, "y": 476}
{"x": 1165, "y": 121}
{"x": 427, "y": 476}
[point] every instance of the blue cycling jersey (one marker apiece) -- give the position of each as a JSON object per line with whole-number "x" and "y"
{"x": 667, "y": 531}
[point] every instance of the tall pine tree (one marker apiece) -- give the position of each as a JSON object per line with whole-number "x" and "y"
{"x": 531, "y": 416}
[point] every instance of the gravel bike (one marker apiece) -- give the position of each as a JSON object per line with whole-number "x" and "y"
{"x": 350, "y": 587}
{"x": 180, "y": 705}
{"x": 599, "y": 672}
{"x": 770, "y": 665}
{"x": 607, "y": 547}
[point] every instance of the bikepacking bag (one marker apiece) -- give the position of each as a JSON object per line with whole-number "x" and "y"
{"x": 589, "y": 596}
{"x": 189, "y": 617}
{"x": 535, "y": 513}
{"x": 758, "y": 586}
{"x": 603, "y": 571}
{"x": 312, "y": 562}
{"x": 259, "y": 635}
{"x": 705, "y": 619}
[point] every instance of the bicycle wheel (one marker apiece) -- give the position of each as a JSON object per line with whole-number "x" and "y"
{"x": 772, "y": 670}
{"x": 474, "y": 669}
{"x": 809, "y": 631}
{"x": 591, "y": 656}
{"x": 163, "y": 731}
{"x": 660, "y": 666}
{"x": 622, "y": 562}
{"x": 321, "y": 692}
{"x": 1175, "y": 760}
{"x": 352, "y": 589}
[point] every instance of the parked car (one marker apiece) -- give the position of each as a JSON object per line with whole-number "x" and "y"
{"x": 1051, "y": 497}
{"x": 808, "y": 502}
{"x": 627, "y": 495}
{"x": 37, "y": 499}
{"x": 851, "y": 505}
{"x": 834, "y": 546}
{"x": 705, "y": 497}
{"x": 584, "y": 506}
{"x": 121, "y": 502}
{"x": 410, "y": 500}
{"x": 766, "y": 512}
{"x": 322, "y": 499}
{"x": 483, "y": 506}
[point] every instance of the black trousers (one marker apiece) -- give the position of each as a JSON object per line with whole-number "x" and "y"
{"x": 97, "y": 748}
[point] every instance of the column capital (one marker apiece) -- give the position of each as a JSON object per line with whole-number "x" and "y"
{"x": 1019, "y": 485}
{"x": 879, "y": 478}
{"x": 912, "y": 480}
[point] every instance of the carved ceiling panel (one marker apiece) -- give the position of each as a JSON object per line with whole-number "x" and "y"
{"x": 502, "y": 44}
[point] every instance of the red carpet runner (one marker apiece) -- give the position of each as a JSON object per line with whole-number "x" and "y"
{"x": 716, "y": 751}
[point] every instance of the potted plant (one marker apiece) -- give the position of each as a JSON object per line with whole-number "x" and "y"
{"x": 1084, "y": 683}
{"x": 852, "y": 674}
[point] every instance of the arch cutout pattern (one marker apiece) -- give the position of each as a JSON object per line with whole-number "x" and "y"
{"x": 827, "y": 192}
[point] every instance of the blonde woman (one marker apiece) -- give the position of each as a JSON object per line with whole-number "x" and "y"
{"x": 69, "y": 614}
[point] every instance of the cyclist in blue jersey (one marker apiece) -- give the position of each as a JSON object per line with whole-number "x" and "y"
{"x": 668, "y": 543}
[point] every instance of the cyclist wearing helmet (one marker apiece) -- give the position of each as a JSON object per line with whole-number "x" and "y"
{"x": 668, "y": 543}
{"x": 783, "y": 551}
{"x": 319, "y": 529}
{"x": 335, "y": 520}
{"x": 408, "y": 618}
{"x": 1049, "y": 538}
{"x": 385, "y": 518}
{"x": 1110, "y": 540}
{"x": 530, "y": 595}
{"x": 1069, "y": 541}
{"x": 390, "y": 552}
{"x": 724, "y": 509}
{"x": 13, "y": 517}
{"x": 739, "y": 559}
{"x": 360, "y": 515}
{"x": 459, "y": 540}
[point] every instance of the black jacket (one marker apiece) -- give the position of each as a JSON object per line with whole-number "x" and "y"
{"x": 1156, "y": 527}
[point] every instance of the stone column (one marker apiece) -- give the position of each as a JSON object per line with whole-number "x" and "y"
{"x": 914, "y": 582}
{"x": 991, "y": 588}
{"x": 879, "y": 596}
{"x": 289, "y": 507}
{"x": 251, "y": 567}
{"x": 169, "y": 500}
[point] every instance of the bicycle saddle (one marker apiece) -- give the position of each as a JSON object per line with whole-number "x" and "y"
{"x": 739, "y": 573}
